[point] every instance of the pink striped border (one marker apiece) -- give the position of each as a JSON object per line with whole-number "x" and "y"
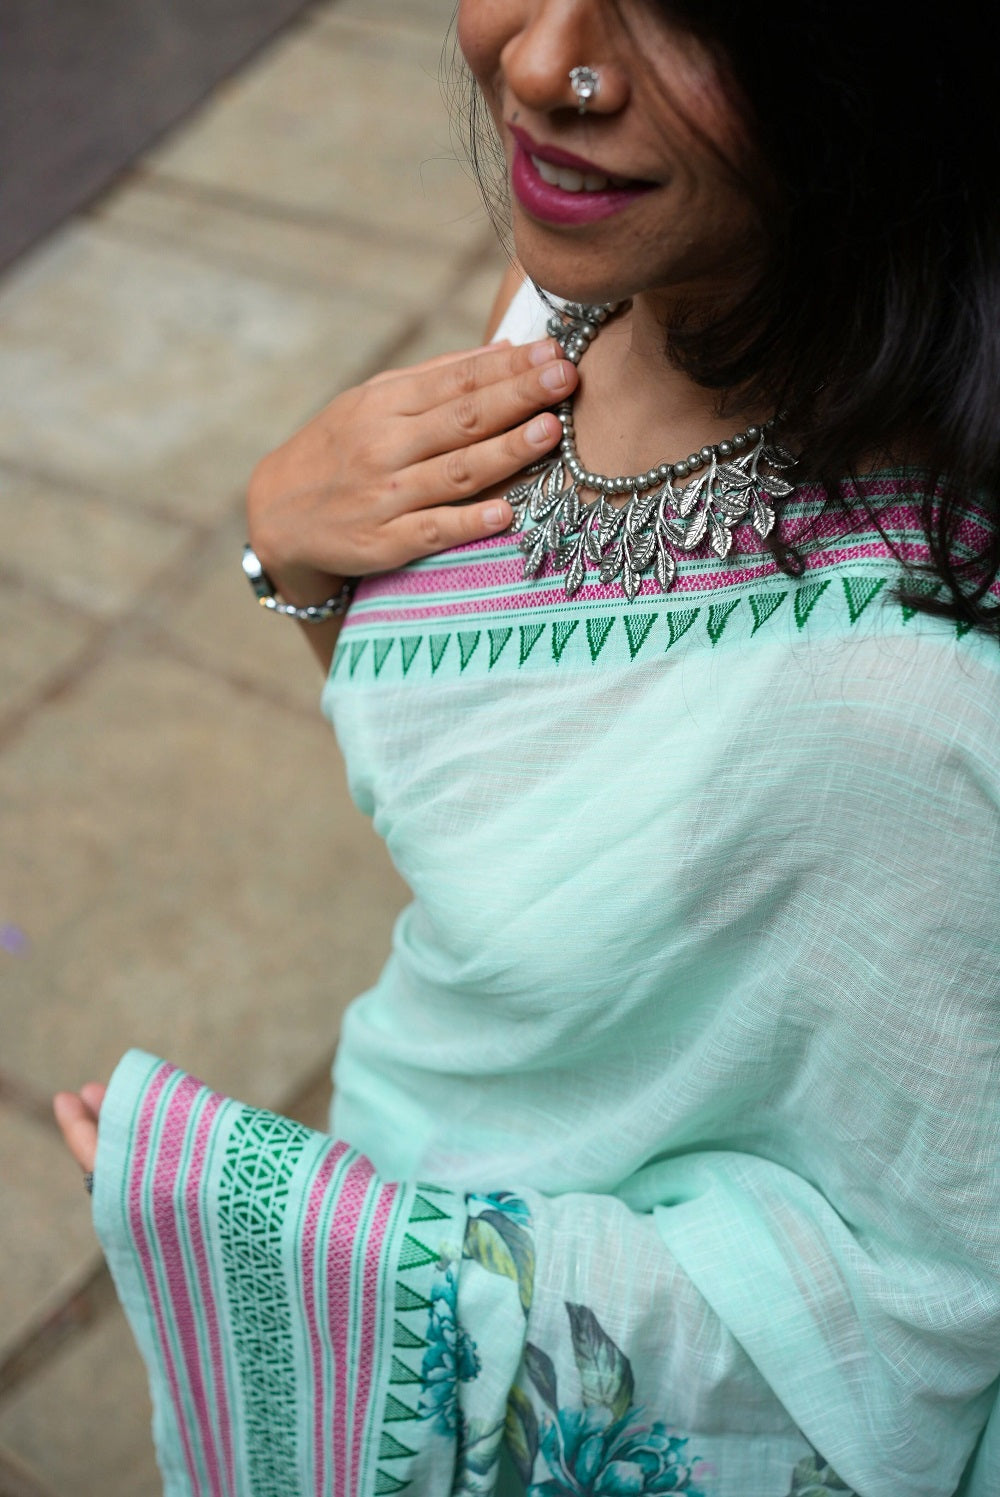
{"x": 370, "y": 1316}
{"x": 140, "y": 1154}
{"x": 340, "y": 1254}
{"x": 314, "y": 1208}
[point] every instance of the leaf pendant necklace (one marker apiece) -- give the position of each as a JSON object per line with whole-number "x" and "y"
{"x": 671, "y": 510}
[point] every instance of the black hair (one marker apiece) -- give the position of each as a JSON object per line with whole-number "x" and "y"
{"x": 875, "y": 321}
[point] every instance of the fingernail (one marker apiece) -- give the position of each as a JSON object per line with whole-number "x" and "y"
{"x": 554, "y": 378}
{"x": 544, "y": 353}
{"x": 539, "y": 432}
{"x": 495, "y": 515}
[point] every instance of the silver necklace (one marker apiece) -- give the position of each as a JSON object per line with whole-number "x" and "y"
{"x": 672, "y": 510}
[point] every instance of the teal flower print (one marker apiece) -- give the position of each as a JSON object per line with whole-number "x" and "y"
{"x": 589, "y": 1454}
{"x": 451, "y": 1356}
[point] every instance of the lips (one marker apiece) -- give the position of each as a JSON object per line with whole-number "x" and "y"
{"x": 561, "y": 187}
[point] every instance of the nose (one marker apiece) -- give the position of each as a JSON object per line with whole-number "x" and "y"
{"x": 555, "y": 37}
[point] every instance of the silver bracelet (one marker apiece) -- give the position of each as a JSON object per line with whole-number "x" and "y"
{"x": 266, "y": 594}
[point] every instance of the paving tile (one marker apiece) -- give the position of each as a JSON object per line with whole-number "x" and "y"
{"x": 219, "y": 624}
{"x": 18, "y": 1479}
{"x": 449, "y": 333}
{"x": 400, "y": 273}
{"x": 192, "y": 878}
{"x": 83, "y": 1422}
{"x": 39, "y": 642}
{"x": 147, "y": 374}
{"x": 434, "y": 16}
{"x": 47, "y": 1243}
{"x": 341, "y": 119}
{"x": 90, "y": 552}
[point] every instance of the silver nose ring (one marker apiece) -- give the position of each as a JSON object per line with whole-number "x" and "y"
{"x": 585, "y": 83}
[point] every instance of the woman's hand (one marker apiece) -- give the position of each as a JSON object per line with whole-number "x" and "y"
{"x": 77, "y": 1114}
{"x": 384, "y": 474}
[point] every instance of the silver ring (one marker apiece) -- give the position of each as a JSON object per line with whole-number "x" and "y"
{"x": 585, "y": 83}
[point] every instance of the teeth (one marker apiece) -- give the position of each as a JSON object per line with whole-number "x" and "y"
{"x": 569, "y": 180}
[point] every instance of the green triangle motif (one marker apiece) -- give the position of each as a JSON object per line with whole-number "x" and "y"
{"x": 408, "y": 1299}
{"x": 637, "y": 627}
{"x": 381, "y": 648}
{"x": 438, "y": 644}
{"x": 962, "y": 626}
{"x": 806, "y": 598}
{"x": 400, "y": 1373}
{"x": 530, "y": 635}
{"x": 498, "y": 641}
{"x": 597, "y": 632}
{"x": 718, "y": 617}
{"x": 357, "y": 650}
{"x": 409, "y": 645}
{"x": 426, "y": 1211}
{"x": 762, "y": 605}
{"x": 391, "y": 1449}
{"x": 561, "y": 635}
{"x": 859, "y": 591}
{"x": 680, "y": 622}
{"x": 414, "y": 1254}
{"x": 385, "y": 1484}
{"x": 467, "y": 641}
{"x": 405, "y": 1339}
{"x": 920, "y": 587}
{"x": 396, "y": 1411}
{"x": 338, "y": 659}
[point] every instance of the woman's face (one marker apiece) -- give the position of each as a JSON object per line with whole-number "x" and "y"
{"x": 637, "y": 195}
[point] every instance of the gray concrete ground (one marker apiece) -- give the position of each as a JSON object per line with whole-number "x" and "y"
{"x": 182, "y": 868}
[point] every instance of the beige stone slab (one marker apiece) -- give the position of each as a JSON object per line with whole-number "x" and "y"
{"x": 193, "y": 879}
{"x": 434, "y": 16}
{"x": 39, "y": 643}
{"x": 83, "y": 1422}
{"x": 344, "y": 119}
{"x": 145, "y": 373}
{"x": 222, "y": 626}
{"x": 47, "y": 1243}
{"x": 448, "y": 333}
{"x": 90, "y": 552}
{"x": 402, "y": 274}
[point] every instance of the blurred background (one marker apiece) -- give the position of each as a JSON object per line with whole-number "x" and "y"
{"x": 212, "y": 218}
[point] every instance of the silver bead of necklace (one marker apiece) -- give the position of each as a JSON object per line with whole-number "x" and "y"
{"x": 670, "y": 511}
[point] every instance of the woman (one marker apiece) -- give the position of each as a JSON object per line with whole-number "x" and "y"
{"x": 694, "y": 774}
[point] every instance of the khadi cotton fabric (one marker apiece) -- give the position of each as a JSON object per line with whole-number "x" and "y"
{"x": 664, "y": 1151}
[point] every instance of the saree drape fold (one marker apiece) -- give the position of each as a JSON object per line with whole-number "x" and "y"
{"x": 692, "y": 1024}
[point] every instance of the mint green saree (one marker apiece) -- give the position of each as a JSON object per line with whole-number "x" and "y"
{"x": 691, "y": 1029}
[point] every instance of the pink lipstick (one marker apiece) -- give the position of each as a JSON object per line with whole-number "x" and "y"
{"x": 559, "y": 187}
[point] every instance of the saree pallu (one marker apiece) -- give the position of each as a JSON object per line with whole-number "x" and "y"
{"x": 691, "y": 1026}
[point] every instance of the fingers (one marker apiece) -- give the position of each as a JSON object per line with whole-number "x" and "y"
{"x": 437, "y": 361}
{"x": 426, "y": 531}
{"x": 438, "y": 383}
{"x": 78, "y": 1124}
{"x": 465, "y": 471}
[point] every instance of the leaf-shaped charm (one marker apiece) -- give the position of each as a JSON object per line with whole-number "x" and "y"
{"x": 778, "y": 488}
{"x": 666, "y": 567}
{"x": 639, "y": 512}
{"x": 762, "y": 517}
{"x": 720, "y": 537}
{"x": 574, "y": 577}
{"x": 571, "y": 510}
{"x": 687, "y": 498}
{"x": 564, "y": 556}
{"x": 554, "y": 481}
{"x": 536, "y": 560}
{"x": 543, "y": 503}
{"x": 695, "y": 532}
{"x": 630, "y": 580}
{"x": 778, "y": 455}
{"x": 728, "y": 476}
{"x": 553, "y": 535}
{"x": 674, "y": 532}
{"x": 733, "y": 505}
{"x": 520, "y": 493}
{"x": 642, "y": 551}
{"x": 611, "y": 525}
{"x": 612, "y": 564}
{"x": 606, "y": 1379}
{"x": 592, "y": 545}
{"x": 528, "y": 539}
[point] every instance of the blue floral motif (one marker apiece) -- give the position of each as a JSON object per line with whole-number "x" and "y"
{"x": 590, "y": 1454}
{"x": 451, "y": 1356}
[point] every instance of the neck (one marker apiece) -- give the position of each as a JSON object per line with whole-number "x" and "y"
{"x": 634, "y": 409}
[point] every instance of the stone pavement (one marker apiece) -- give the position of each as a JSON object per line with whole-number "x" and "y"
{"x": 182, "y": 868}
